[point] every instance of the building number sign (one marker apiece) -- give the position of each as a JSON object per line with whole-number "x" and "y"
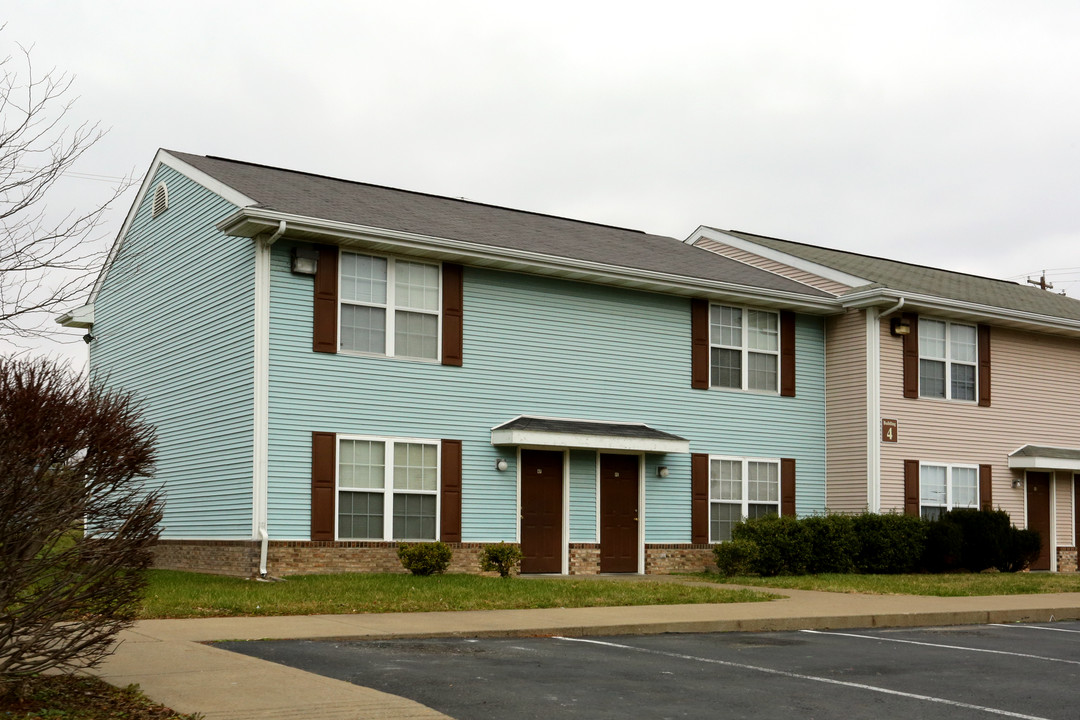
{"x": 889, "y": 428}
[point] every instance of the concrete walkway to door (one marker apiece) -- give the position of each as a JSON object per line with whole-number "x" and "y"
{"x": 171, "y": 662}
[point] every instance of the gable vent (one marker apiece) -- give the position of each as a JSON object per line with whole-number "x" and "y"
{"x": 161, "y": 199}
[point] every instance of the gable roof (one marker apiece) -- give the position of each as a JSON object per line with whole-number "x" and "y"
{"x": 921, "y": 280}
{"x": 335, "y": 203}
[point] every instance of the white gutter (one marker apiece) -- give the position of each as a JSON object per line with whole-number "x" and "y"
{"x": 261, "y": 400}
{"x": 526, "y": 260}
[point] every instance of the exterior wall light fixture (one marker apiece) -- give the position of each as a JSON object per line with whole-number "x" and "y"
{"x": 900, "y": 326}
{"x": 501, "y": 465}
{"x": 662, "y": 471}
{"x": 305, "y": 260}
{"x": 1018, "y": 483}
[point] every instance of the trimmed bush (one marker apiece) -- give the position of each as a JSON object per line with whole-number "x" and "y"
{"x": 986, "y": 535}
{"x": 501, "y": 558}
{"x": 889, "y": 543}
{"x": 736, "y": 557}
{"x": 944, "y": 546}
{"x": 1021, "y": 549}
{"x": 783, "y": 545}
{"x": 425, "y": 558}
{"x": 834, "y": 543}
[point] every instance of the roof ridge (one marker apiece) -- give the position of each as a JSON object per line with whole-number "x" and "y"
{"x": 414, "y": 192}
{"x": 877, "y": 257}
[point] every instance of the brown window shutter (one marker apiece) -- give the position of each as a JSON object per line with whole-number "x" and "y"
{"x": 450, "y": 462}
{"x": 787, "y": 353}
{"x": 326, "y": 301}
{"x": 323, "y": 458}
{"x": 911, "y": 487}
{"x": 986, "y": 493}
{"x": 699, "y": 353}
{"x": 699, "y": 498}
{"x": 911, "y": 357}
{"x": 984, "y": 366}
{"x": 453, "y": 319}
{"x": 787, "y": 487}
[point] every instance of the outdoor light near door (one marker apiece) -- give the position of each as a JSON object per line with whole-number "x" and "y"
{"x": 899, "y": 326}
{"x": 501, "y": 465}
{"x": 1018, "y": 483}
{"x": 662, "y": 471}
{"x": 305, "y": 260}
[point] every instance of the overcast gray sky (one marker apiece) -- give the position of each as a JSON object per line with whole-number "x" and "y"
{"x": 942, "y": 133}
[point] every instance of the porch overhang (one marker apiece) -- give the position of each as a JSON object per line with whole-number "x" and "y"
{"x": 1035, "y": 457}
{"x": 586, "y": 434}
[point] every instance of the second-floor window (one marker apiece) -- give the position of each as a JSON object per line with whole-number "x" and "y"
{"x": 948, "y": 355}
{"x": 744, "y": 347}
{"x": 389, "y": 306}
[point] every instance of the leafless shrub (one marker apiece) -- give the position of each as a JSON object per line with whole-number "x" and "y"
{"x": 76, "y": 523}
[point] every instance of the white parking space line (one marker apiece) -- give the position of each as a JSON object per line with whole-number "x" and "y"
{"x": 811, "y": 678}
{"x": 1033, "y": 627}
{"x": 946, "y": 647}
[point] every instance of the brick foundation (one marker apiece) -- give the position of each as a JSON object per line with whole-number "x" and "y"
{"x": 1066, "y": 559}
{"x": 241, "y": 557}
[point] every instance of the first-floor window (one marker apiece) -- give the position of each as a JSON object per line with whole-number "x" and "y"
{"x": 741, "y": 488}
{"x": 947, "y": 487}
{"x": 387, "y": 489}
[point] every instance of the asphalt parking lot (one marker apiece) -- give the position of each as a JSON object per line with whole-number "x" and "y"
{"x": 1018, "y": 671}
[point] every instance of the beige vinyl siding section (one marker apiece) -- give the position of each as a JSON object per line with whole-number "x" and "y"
{"x": 1063, "y": 508}
{"x": 845, "y": 412}
{"x": 1035, "y": 387}
{"x": 792, "y": 273}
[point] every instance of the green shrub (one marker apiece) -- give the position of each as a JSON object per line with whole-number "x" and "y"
{"x": 986, "y": 536}
{"x": 834, "y": 543}
{"x": 1021, "y": 549}
{"x": 783, "y": 545}
{"x": 501, "y": 558}
{"x": 889, "y": 543}
{"x": 425, "y": 558}
{"x": 736, "y": 557}
{"x": 944, "y": 546}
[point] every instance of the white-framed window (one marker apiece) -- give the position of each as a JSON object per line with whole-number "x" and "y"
{"x": 741, "y": 488}
{"x": 744, "y": 348}
{"x": 389, "y": 306}
{"x": 948, "y": 356}
{"x": 387, "y": 488}
{"x": 947, "y": 487}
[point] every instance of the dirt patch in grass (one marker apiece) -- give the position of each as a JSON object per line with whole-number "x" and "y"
{"x": 79, "y": 698}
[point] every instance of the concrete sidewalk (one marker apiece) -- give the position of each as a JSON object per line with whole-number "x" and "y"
{"x": 172, "y": 665}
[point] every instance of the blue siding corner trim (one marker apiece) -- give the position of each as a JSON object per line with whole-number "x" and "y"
{"x": 174, "y": 321}
{"x": 536, "y": 346}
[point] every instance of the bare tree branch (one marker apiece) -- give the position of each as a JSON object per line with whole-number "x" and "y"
{"x": 48, "y": 258}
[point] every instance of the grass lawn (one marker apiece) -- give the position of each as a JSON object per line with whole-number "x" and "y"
{"x": 80, "y": 698}
{"x": 943, "y": 585}
{"x": 174, "y": 594}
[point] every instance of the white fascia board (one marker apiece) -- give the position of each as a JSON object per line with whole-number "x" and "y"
{"x": 1042, "y": 463}
{"x": 540, "y": 438}
{"x": 259, "y": 220}
{"x": 81, "y": 317}
{"x": 960, "y": 308}
{"x": 164, "y": 158}
{"x": 823, "y": 271}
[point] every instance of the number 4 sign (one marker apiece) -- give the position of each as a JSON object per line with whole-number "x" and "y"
{"x": 889, "y": 430}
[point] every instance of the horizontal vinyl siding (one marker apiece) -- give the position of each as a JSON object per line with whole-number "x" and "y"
{"x": 583, "y": 496}
{"x": 532, "y": 346}
{"x": 173, "y": 324}
{"x": 1063, "y": 508}
{"x": 1036, "y": 383}
{"x": 845, "y": 373}
{"x": 793, "y": 273}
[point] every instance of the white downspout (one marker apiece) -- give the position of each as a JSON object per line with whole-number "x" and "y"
{"x": 873, "y": 404}
{"x": 261, "y": 445}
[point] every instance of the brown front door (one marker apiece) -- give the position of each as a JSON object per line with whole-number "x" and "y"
{"x": 541, "y": 511}
{"x": 619, "y": 513}
{"x": 1038, "y": 515}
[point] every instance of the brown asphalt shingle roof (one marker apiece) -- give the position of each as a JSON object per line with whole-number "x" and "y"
{"x": 919, "y": 279}
{"x": 326, "y": 198}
